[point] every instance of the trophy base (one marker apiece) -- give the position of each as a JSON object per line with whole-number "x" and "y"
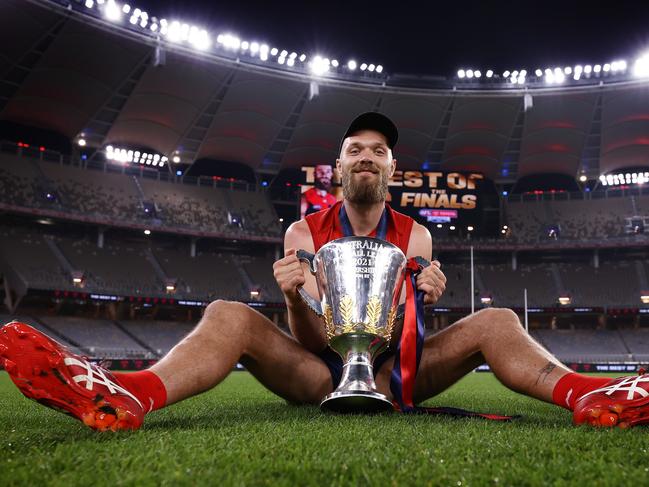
{"x": 356, "y": 402}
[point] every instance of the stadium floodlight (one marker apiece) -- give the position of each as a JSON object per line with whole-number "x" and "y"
{"x": 274, "y": 51}
{"x": 513, "y": 80}
{"x": 470, "y": 228}
{"x": 201, "y": 40}
{"x": 319, "y": 66}
{"x": 597, "y": 68}
{"x": 284, "y": 53}
{"x": 588, "y": 69}
{"x": 523, "y": 73}
{"x": 147, "y": 232}
{"x": 363, "y": 67}
{"x": 263, "y": 52}
{"x": 607, "y": 67}
{"x": 293, "y": 55}
{"x": 506, "y": 74}
{"x": 290, "y": 62}
{"x": 452, "y": 227}
{"x": 379, "y": 69}
{"x": 469, "y": 73}
{"x": 351, "y": 65}
{"x": 538, "y": 73}
{"x": 549, "y": 77}
{"x": 281, "y": 60}
{"x": 583, "y": 178}
{"x": 176, "y": 159}
{"x": 439, "y": 225}
{"x": 81, "y": 142}
{"x": 567, "y": 70}
{"x": 371, "y": 68}
{"x": 89, "y": 3}
{"x": 173, "y": 33}
{"x": 490, "y": 73}
{"x": 521, "y": 81}
{"x": 184, "y": 32}
{"x": 154, "y": 27}
{"x": 477, "y": 74}
{"x": 461, "y": 74}
{"x": 641, "y": 66}
{"x": 245, "y": 45}
{"x": 335, "y": 63}
{"x": 133, "y": 20}
{"x": 254, "y": 48}
{"x": 515, "y": 74}
{"x": 112, "y": 12}
{"x": 302, "y": 58}
{"x": 144, "y": 23}
{"x": 126, "y": 8}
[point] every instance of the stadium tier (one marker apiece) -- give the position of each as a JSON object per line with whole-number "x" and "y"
{"x": 109, "y": 196}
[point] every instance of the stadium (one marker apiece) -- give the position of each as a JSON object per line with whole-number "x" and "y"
{"x": 149, "y": 167}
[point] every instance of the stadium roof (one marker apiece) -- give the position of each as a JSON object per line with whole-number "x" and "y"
{"x": 79, "y": 76}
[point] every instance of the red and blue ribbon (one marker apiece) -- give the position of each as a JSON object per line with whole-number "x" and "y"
{"x": 408, "y": 352}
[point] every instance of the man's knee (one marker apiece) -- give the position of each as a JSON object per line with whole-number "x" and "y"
{"x": 221, "y": 314}
{"x": 503, "y": 319}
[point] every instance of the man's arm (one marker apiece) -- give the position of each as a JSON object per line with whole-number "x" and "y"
{"x": 431, "y": 280}
{"x": 290, "y": 273}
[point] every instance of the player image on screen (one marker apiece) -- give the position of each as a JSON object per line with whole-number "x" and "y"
{"x": 319, "y": 197}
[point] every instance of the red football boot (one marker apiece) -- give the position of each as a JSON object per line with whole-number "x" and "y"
{"x": 622, "y": 402}
{"x": 46, "y": 371}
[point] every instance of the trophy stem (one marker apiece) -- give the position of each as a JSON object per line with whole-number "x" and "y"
{"x": 356, "y": 392}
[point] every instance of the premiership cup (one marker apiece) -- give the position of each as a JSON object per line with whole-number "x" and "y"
{"x": 359, "y": 284}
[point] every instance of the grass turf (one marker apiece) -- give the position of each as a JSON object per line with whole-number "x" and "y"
{"x": 240, "y": 434}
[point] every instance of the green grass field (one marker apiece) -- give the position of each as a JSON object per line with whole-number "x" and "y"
{"x": 240, "y": 434}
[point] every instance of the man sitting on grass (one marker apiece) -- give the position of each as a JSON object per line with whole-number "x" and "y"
{"x": 302, "y": 369}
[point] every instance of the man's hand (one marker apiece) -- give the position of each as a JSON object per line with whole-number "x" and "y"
{"x": 432, "y": 281}
{"x": 289, "y": 274}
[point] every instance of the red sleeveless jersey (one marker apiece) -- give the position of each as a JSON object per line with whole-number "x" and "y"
{"x": 325, "y": 226}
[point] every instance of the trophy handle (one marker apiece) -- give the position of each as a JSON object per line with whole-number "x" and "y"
{"x": 314, "y": 305}
{"x": 401, "y": 309}
{"x": 307, "y": 257}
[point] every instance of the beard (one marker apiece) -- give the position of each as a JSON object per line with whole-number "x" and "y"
{"x": 321, "y": 184}
{"x": 365, "y": 192}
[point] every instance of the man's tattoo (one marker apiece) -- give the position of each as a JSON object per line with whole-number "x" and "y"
{"x": 545, "y": 372}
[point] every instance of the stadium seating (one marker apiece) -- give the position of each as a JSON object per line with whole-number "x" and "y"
{"x": 585, "y": 345}
{"x": 106, "y": 194}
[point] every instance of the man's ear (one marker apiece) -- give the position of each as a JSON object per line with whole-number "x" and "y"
{"x": 394, "y": 167}
{"x": 338, "y": 168}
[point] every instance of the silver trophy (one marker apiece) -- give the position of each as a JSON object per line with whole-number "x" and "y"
{"x": 359, "y": 282}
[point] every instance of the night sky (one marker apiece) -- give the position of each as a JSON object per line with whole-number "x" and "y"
{"x": 431, "y": 37}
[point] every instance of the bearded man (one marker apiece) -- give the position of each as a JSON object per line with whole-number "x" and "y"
{"x": 319, "y": 197}
{"x": 301, "y": 368}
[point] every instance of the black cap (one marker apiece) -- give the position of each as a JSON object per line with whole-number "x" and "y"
{"x": 374, "y": 121}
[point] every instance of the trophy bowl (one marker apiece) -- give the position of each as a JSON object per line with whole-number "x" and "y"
{"x": 359, "y": 284}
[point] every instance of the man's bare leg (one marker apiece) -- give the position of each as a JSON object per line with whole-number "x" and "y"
{"x": 231, "y": 332}
{"x": 493, "y": 336}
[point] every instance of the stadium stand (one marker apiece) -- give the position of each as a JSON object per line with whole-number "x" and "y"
{"x": 100, "y": 338}
{"x": 107, "y": 194}
{"x": 585, "y": 345}
{"x": 27, "y": 253}
{"x": 159, "y": 336}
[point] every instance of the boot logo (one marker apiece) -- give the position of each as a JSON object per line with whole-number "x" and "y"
{"x": 95, "y": 375}
{"x": 628, "y": 384}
